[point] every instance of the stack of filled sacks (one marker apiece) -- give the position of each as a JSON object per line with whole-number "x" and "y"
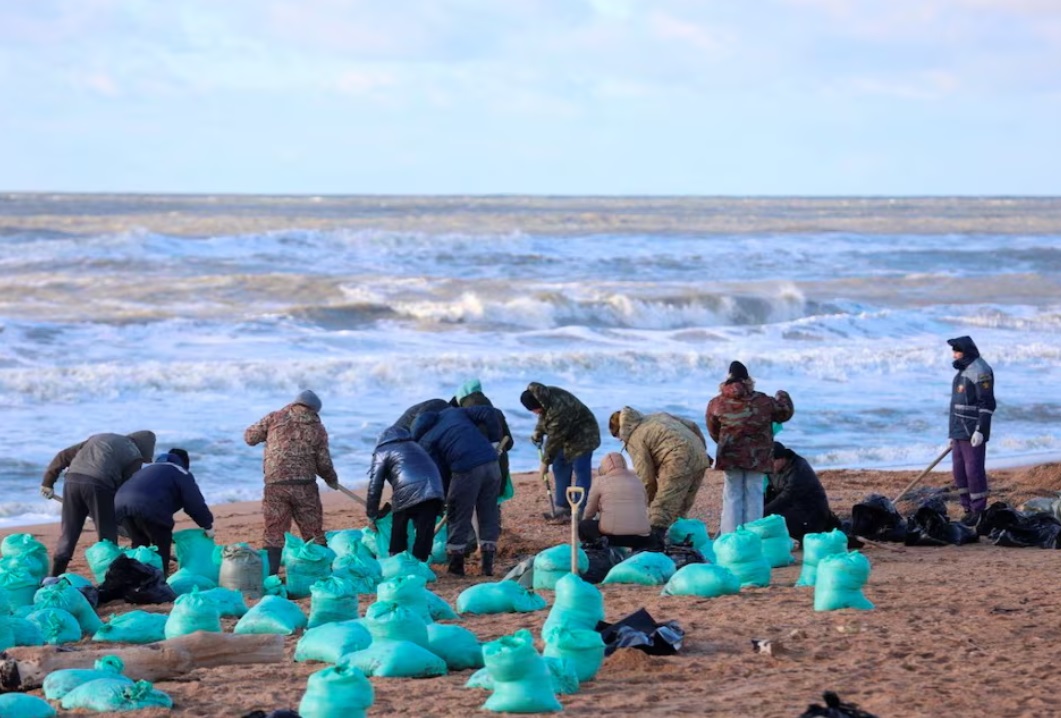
{"x": 400, "y": 645}
{"x": 742, "y": 553}
{"x": 519, "y": 676}
{"x": 839, "y": 582}
{"x": 553, "y": 563}
{"x": 694, "y": 532}
{"x": 570, "y": 630}
{"x": 776, "y": 543}
{"x": 304, "y": 564}
{"x": 63, "y": 614}
{"x": 198, "y": 561}
{"x": 815, "y": 548}
{"x": 23, "y": 566}
{"x": 102, "y": 689}
{"x": 354, "y": 561}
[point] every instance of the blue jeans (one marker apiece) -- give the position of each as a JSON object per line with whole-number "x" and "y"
{"x": 742, "y": 499}
{"x": 582, "y": 467}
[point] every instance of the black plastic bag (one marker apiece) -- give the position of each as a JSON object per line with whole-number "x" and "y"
{"x": 929, "y": 526}
{"x": 834, "y": 708}
{"x": 601, "y": 559}
{"x": 134, "y": 582}
{"x": 683, "y": 553}
{"x": 639, "y": 630}
{"x": 877, "y": 519}
{"x": 91, "y": 594}
{"x": 1005, "y": 526}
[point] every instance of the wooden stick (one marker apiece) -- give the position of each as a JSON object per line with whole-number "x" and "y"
{"x": 575, "y": 494}
{"x": 351, "y": 494}
{"x": 922, "y": 475}
{"x": 876, "y": 544}
{"x": 25, "y": 668}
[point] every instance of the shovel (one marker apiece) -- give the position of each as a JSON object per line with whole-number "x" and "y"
{"x": 922, "y": 475}
{"x": 575, "y": 494}
{"x": 548, "y": 487}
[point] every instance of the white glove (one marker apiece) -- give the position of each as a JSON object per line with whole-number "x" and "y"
{"x": 209, "y": 533}
{"x": 976, "y": 439}
{"x": 47, "y": 492}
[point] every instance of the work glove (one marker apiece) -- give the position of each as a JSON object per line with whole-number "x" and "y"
{"x": 209, "y": 532}
{"x": 976, "y": 439}
{"x": 543, "y": 470}
{"x": 47, "y": 492}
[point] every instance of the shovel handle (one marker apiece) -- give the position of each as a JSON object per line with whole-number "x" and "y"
{"x": 575, "y": 494}
{"x": 351, "y": 494}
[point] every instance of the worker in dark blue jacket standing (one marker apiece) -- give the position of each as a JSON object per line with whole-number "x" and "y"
{"x": 972, "y": 405}
{"x": 145, "y": 504}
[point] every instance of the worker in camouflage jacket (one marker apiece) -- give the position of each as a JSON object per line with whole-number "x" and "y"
{"x": 740, "y": 421}
{"x": 670, "y": 456}
{"x": 296, "y": 453}
{"x": 570, "y": 434}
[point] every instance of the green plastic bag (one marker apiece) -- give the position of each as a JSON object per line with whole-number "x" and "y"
{"x": 56, "y": 625}
{"x": 30, "y": 554}
{"x": 362, "y": 571}
{"x": 133, "y": 627}
{"x": 839, "y": 582}
{"x": 20, "y": 586}
{"x": 501, "y": 597}
{"x": 396, "y": 659}
{"x": 378, "y": 540}
{"x": 274, "y": 586}
{"x": 522, "y": 682}
{"x": 438, "y": 546}
{"x": 405, "y": 564}
{"x": 63, "y": 595}
{"x": 196, "y": 552}
{"x": 193, "y": 612}
{"x": 23, "y": 631}
{"x": 75, "y": 580}
{"x": 578, "y": 604}
{"x": 583, "y": 647}
{"x": 562, "y": 673}
{"x": 114, "y": 695}
{"x": 58, "y": 683}
{"x": 648, "y": 568}
{"x": 741, "y": 551}
{"x": 147, "y": 555}
{"x": 22, "y": 705}
{"x": 457, "y": 646}
{"x": 344, "y": 542}
{"x": 306, "y": 563}
{"x": 776, "y": 543}
{"x": 185, "y": 580}
{"x": 389, "y": 621}
{"x": 440, "y": 610}
{"x": 815, "y": 548}
{"x": 705, "y": 580}
{"x": 100, "y": 556}
{"x": 553, "y": 563}
{"x": 337, "y": 692}
{"x": 229, "y": 602}
{"x": 409, "y": 591}
{"x": 334, "y": 599}
{"x": 331, "y": 641}
{"x": 695, "y": 531}
{"x": 272, "y": 615}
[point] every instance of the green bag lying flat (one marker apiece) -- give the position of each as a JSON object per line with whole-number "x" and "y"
{"x": 133, "y": 627}
{"x": 648, "y": 568}
{"x": 114, "y": 695}
{"x": 58, "y": 683}
{"x": 500, "y": 597}
{"x": 22, "y": 705}
{"x": 457, "y": 646}
{"x": 396, "y": 659}
{"x": 332, "y": 641}
{"x": 337, "y": 692}
{"x": 704, "y": 580}
{"x": 272, "y": 614}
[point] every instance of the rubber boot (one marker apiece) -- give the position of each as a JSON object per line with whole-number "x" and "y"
{"x": 487, "y": 562}
{"x": 658, "y": 540}
{"x": 274, "y": 559}
{"x": 456, "y": 563}
{"x": 59, "y": 566}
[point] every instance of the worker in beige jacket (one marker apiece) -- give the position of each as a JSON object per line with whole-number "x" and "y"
{"x": 617, "y": 507}
{"x": 670, "y": 456}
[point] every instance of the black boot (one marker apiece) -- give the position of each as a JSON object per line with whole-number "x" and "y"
{"x": 456, "y": 563}
{"x": 59, "y": 566}
{"x": 658, "y": 539}
{"x": 274, "y": 559}
{"x": 487, "y": 562}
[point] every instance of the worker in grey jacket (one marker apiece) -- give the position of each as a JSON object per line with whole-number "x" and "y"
{"x": 95, "y": 469}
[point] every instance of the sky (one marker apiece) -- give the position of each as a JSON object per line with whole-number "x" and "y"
{"x": 553, "y": 97}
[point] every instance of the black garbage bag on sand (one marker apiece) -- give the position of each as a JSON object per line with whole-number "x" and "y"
{"x": 601, "y": 559}
{"x": 639, "y": 630}
{"x": 929, "y": 526}
{"x": 834, "y": 708}
{"x": 1003, "y": 525}
{"x": 134, "y": 582}
{"x": 877, "y": 519}
{"x": 683, "y": 553}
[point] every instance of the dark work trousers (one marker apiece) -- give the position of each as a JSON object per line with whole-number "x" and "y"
{"x": 589, "y": 531}
{"x": 83, "y": 496}
{"x": 423, "y": 516}
{"x": 474, "y": 492}
{"x": 970, "y": 476}
{"x": 148, "y": 533}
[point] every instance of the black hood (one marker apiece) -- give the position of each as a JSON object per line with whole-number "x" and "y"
{"x": 967, "y": 347}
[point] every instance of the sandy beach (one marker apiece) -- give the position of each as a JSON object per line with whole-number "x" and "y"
{"x": 956, "y": 631}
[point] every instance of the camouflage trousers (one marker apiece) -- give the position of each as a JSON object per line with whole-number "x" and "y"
{"x": 674, "y": 497}
{"x": 282, "y": 503}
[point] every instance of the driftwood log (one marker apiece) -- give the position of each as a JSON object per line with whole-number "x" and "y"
{"x": 25, "y": 668}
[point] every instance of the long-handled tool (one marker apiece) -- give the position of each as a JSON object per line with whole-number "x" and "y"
{"x": 922, "y": 475}
{"x": 575, "y": 494}
{"x": 351, "y": 494}
{"x": 545, "y": 480}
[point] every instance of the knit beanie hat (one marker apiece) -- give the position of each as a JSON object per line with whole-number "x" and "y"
{"x": 737, "y": 372}
{"x": 529, "y": 401}
{"x": 309, "y": 399}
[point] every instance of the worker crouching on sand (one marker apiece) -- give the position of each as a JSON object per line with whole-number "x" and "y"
{"x": 145, "y": 504}
{"x": 95, "y": 469}
{"x": 416, "y": 490}
{"x": 670, "y": 456}
{"x": 467, "y": 461}
{"x": 796, "y": 494}
{"x": 617, "y": 507}
{"x": 296, "y": 453}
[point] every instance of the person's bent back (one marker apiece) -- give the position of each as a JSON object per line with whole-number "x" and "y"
{"x": 617, "y": 507}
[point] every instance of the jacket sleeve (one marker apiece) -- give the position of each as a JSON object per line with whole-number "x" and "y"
{"x": 325, "y": 468}
{"x": 783, "y": 498}
{"x": 194, "y": 503}
{"x": 985, "y": 402}
{"x": 377, "y": 473}
{"x": 783, "y": 409}
{"x": 58, "y": 464}
{"x": 711, "y": 421}
{"x": 257, "y": 432}
{"x": 486, "y": 416}
{"x": 593, "y": 502}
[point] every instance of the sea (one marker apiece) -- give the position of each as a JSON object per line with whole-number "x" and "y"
{"x": 195, "y": 315}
